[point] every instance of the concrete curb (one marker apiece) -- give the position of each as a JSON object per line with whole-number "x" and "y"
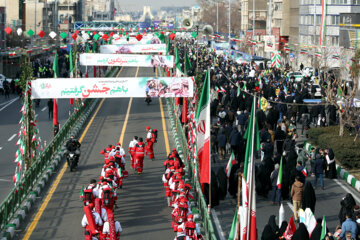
{"x": 341, "y": 172}
{"x": 29, "y": 201}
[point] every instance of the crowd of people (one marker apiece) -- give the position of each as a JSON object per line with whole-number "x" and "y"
{"x": 99, "y": 198}
{"x": 283, "y": 118}
{"x": 178, "y": 194}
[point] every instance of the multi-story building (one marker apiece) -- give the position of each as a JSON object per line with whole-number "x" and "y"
{"x": 284, "y": 15}
{"x": 12, "y": 13}
{"x": 310, "y": 20}
{"x": 98, "y": 10}
{"x": 260, "y": 8}
{"x": 349, "y": 30}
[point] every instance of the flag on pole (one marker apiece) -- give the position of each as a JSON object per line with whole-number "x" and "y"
{"x": 203, "y": 131}
{"x": 290, "y": 229}
{"x": 318, "y": 54}
{"x": 244, "y": 206}
{"x": 323, "y": 22}
{"x": 234, "y": 227}
{"x": 187, "y": 63}
{"x": 323, "y": 229}
{"x": 177, "y": 63}
{"x": 232, "y": 161}
{"x": 71, "y": 70}
{"x": 168, "y": 46}
{"x": 252, "y": 145}
{"x": 56, "y": 75}
{"x": 55, "y": 66}
{"x": 304, "y": 172}
{"x": 279, "y": 178}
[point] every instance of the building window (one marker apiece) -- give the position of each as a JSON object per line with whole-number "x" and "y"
{"x": 278, "y": 6}
{"x": 318, "y": 19}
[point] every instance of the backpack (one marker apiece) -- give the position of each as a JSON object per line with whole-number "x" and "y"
{"x": 154, "y": 134}
{"x": 107, "y": 197}
{"x": 88, "y": 196}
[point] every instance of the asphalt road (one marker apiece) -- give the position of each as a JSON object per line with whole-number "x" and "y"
{"x": 9, "y": 118}
{"x": 142, "y": 211}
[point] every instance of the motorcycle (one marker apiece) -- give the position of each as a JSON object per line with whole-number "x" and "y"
{"x": 72, "y": 160}
{"x": 148, "y": 100}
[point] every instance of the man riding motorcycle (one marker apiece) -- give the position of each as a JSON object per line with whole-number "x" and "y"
{"x": 73, "y": 146}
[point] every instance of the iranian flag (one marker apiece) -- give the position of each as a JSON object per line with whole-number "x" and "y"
{"x": 234, "y": 232}
{"x": 318, "y": 54}
{"x": 304, "y": 172}
{"x": 252, "y": 146}
{"x": 232, "y": 161}
{"x": 11, "y": 54}
{"x": 290, "y": 229}
{"x": 203, "y": 131}
{"x": 279, "y": 178}
{"x": 177, "y": 63}
{"x": 63, "y": 46}
{"x": 323, "y": 229}
{"x": 56, "y": 75}
{"x": 71, "y": 71}
{"x": 221, "y": 89}
{"x": 323, "y": 22}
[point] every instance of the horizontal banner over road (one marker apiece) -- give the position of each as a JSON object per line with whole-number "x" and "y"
{"x": 111, "y": 87}
{"x": 126, "y": 60}
{"x": 133, "y": 48}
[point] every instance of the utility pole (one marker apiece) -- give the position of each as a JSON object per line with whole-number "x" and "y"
{"x": 229, "y": 26}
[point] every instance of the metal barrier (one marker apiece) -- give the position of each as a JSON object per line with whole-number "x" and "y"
{"x": 181, "y": 139}
{"x": 19, "y": 193}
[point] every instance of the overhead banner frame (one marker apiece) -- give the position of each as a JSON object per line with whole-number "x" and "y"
{"x": 132, "y": 48}
{"x": 43, "y": 88}
{"x": 126, "y": 60}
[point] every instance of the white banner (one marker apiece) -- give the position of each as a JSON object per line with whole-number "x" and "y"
{"x": 111, "y": 87}
{"x": 133, "y": 48}
{"x": 126, "y": 60}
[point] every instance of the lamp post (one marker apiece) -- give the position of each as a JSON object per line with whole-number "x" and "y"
{"x": 229, "y": 26}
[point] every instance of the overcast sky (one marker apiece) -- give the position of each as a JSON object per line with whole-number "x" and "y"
{"x": 154, "y": 4}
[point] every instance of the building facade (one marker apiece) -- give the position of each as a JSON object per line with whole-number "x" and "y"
{"x": 349, "y": 30}
{"x": 310, "y": 20}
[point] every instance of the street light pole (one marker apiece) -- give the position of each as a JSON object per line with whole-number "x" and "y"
{"x": 229, "y": 26}
{"x": 217, "y": 17}
{"x": 35, "y": 15}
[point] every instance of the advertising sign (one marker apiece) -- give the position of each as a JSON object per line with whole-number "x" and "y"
{"x": 112, "y": 87}
{"x": 126, "y": 60}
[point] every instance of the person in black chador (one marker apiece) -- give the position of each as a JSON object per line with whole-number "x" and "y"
{"x": 309, "y": 198}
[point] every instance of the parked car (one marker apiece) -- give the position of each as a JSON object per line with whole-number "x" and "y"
{"x": 297, "y": 75}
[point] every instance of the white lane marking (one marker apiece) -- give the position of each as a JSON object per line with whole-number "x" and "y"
{"x": 36, "y": 115}
{"x": 10, "y": 102}
{"x": 353, "y": 193}
{"x": 218, "y": 225}
{"x": 44, "y": 108}
{"x": 1, "y": 104}
{"x": 11, "y": 138}
{"x": 1, "y": 148}
{"x": 5, "y": 180}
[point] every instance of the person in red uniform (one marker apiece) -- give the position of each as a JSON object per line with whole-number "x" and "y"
{"x": 139, "y": 155}
{"x": 150, "y": 140}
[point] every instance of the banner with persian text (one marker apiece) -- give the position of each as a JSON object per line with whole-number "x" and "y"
{"x": 133, "y": 48}
{"x": 112, "y": 87}
{"x": 126, "y": 60}
{"x": 146, "y": 39}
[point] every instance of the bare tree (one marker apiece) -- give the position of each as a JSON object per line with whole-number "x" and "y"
{"x": 209, "y": 15}
{"x": 341, "y": 93}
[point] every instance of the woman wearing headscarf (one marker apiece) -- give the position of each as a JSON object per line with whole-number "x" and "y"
{"x": 309, "y": 197}
{"x": 301, "y": 233}
{"x": 316, "y": 233}
{"x": 273, "y": 225}
{"x": 347, "y": 205}
{"x": 283, "y": 227}
{"x": 330, "y": 172}
{"x": 268, "y": 234}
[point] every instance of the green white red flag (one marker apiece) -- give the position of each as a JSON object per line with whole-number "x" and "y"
{"x": 232, "y": 161}
{"x": 203, "y": 131}
{"x": 279, "y": 178}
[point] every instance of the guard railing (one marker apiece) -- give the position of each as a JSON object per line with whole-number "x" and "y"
{"x": 181, "y": 139}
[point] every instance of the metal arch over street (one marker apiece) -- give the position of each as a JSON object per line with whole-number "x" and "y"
{"x": 104, "y": 26}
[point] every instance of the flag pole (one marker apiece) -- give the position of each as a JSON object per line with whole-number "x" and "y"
{"x": 250, "y": 176}
{"x": 209, "y": 207}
